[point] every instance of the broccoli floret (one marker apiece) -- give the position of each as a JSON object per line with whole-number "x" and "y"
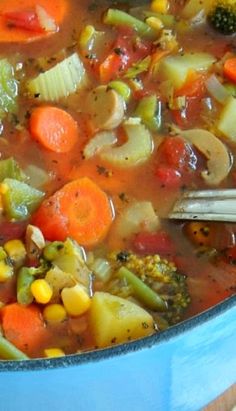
{"x": 160, "y": 275}
{"x": 222, "y": 16}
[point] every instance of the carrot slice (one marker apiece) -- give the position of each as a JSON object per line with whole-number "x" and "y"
{"x": 83, "y": 209}
{"x": 23, "y": 326}
{"x": 10, "y": 34}
{"x": 230, "y": 69}
{"x": 54, "y": 128}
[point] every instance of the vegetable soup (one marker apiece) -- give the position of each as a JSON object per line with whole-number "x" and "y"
{"x": 109, "y": 112}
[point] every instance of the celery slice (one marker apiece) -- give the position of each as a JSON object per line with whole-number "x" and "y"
{"x": 59, "y": 81}
{"x": 149, "y": 109}
{"x": 136, "y": 150}
{"x": 8, "y": 89}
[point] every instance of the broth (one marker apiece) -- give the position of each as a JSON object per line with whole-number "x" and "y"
{"x": 204, "y": 252}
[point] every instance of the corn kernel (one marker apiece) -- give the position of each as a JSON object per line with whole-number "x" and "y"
{"x": 3, "y": 188}
{"x": 54, "y": 313}
{"x": 54, "y": 352}
{"x": 155, "y": 23}
{"x": 75, "y": 300}
{"x": 6, "y": 271}
{"x": 86, "y": 36}
{"x": 15, "y": 250}
{"x": 41, "y": 291}
{"x": 160, "y": 6}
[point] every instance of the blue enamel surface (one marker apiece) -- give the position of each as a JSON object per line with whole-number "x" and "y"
{"x": 181, "y": 369}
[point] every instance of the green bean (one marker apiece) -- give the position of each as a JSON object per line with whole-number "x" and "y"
{"x": 117, "y": 17}
{"x": 52, "y": 250}
{"x": 143, "y": 293}
{"x": 9, "y": 352}
{"x": 24, "y": 281}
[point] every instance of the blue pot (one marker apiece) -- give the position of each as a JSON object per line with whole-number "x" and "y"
{"x": 182, "y": 368}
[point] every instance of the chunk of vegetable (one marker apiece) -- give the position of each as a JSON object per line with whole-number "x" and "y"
{"x": 8, "y": 89}
{"x": 41, "y": 291}
{"x": 16, "y": 251}
{"x": 20, "y": 14}
{"x": 149, "y": 110}
{"x": 226, "y": 123}
{"x": 24, "y": 281}
{"x": 141, "y": 291}
{"x": 6, "y": 271}
{"x": 59, "y": 81}
{"x": 115, "y": 17}
{"x": 9, "y": 352}
{"x": 54, "y": 128}
{"x": 136, "y": 217}
{"x": 106, "y": 107}
{"x": 193, "y": 7}
{"x": 121, "y": 88}
{"x": 58, "y": 279}
{"x": 136, "y": 150}
{"x": 70, "y": 260}
{"x": 176, "y": 68}
{"x": 9, "y": 168}
{"x": 216, "y": 153}
{"x": 80, "y": 210}
{"x": 23, "y": 326}
{"x": 76, "y": 300}
{"x": 114, "y": 320}
{"x": 19, "y": 199}
{"x": 99, "y": 142}
{"x": 54, "y": 313}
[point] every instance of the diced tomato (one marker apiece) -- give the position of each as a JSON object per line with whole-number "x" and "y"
{"x": 188, "y": 116}
{"x": 11, "y": 231}
{"x": 230, "y": 255}
{"x": 126, "y": 50}
{"x": 113, "y": 64}
{"x": 26, "y": 20}
{"x": 168, "y": 176}
{"x": 194, "y": 86}
{"x": 177, "y": 153}
{"x": 153, "y": 243}
{"x": 50, "y": 217}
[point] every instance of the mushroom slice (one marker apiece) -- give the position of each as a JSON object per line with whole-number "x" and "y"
{"x": 106, "y": 107}
{"x": 34, "y": 241}
{"x": 219, "y": 160}
{"x": 136, "y": 150}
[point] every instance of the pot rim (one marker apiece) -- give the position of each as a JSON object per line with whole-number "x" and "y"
{"x": 121, "y": 349}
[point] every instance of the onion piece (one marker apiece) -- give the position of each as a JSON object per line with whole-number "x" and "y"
{"x": 45, "y": 21}
{"x": 216, "y": 89}
{"x": 37, "y": 176}
{"x": 98, "y": 142}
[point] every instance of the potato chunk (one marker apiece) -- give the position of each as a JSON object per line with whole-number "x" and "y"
{"x": 114, "y": 320}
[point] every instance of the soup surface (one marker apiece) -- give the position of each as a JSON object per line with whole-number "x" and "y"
{"x": 109, "y": 112}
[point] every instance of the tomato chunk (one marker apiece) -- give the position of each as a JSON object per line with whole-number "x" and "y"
{"x": 153, "y": 243}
